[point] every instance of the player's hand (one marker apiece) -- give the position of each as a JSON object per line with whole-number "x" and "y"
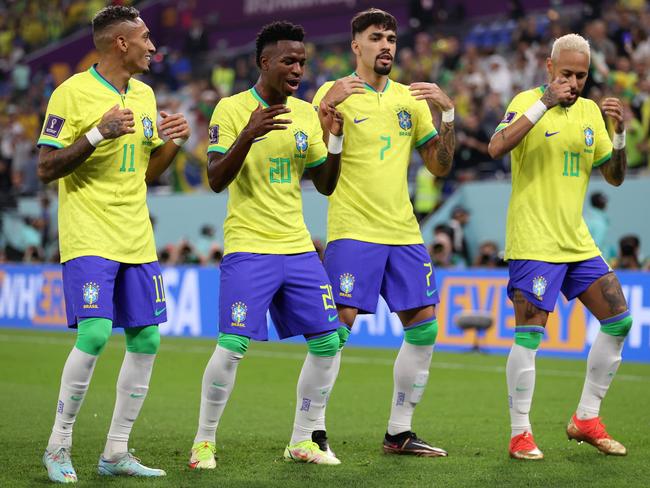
{"x": 432, "y": 94}
{"x": 174, "y": 126}
{"x": 343, "y": 88}
{"x": 262, "y": 120}
{"x": 116, "y": 122}
{"x": 331, "y": 118}
{"x": 558, "y": 91}
{"x": 614, "y": 108}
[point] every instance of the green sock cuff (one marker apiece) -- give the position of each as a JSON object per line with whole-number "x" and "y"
{"x": 234, "y": 342}
{"x": 93, "y": 334}
{"x": 142, "y": 340}
{"x": 324, "y": 346}
{"x": 620, "y": 328}
{"x": 344, "y": 334}
{"x": 423, "y": 334}
{"x": 529, "y": 336}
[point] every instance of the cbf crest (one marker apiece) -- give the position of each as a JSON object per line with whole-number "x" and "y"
{"x": 404, "y": 119}
{"x": 90, "y": 293}
{"x": 589, "y": 136}
{"x": 539, "y": 287}
{"x": 346, "y": 284}
{"x": 147, "y": 127}
{"x": 238, "y": 312}
{"x": 301, "y": 143}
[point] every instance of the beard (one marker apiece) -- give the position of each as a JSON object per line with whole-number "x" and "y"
{"x": 382, "y": 70}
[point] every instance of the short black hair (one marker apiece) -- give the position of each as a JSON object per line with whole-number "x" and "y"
{"x": 274, "y": 32}
{"x": 373, "y": 16}
{"x": 113, "y": 14}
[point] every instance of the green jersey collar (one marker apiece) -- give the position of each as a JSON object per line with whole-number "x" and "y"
{"x": 93, "y": 71}
{"x": 368, "y": 87}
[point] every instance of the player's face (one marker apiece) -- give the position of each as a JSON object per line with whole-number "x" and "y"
{"x": 283, "y": 65}
{"x": 140, "y": 48}
{"x": 574, "y": 66}
{"x": 375, "y": 48}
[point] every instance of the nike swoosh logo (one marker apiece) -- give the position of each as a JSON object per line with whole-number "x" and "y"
{"x": 136, "y": 395}
{"x": 358, "y": 121}
{"x": 431, "y": 292}
{"x": 259, "y": 139}
{"x": 76, "y": 398}
{"x": 219, "y": 385}
{"x": 549, "y": 134}
{"x": 332, "y": 318}
{"x": 158, "y": 312}
{"x": 520, "y": 389}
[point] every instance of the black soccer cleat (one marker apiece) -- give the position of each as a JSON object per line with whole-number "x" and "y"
{"x": 409, "y": 443}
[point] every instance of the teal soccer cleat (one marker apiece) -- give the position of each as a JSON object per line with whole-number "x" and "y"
{"x": 126, "y": 465}
{"x": 59, "y": 465}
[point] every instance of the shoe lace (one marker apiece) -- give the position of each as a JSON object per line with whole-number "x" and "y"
{"x": 524, "y": 442}
{"x": 61, "y": 455}
{"x": 204, "y": 451}
{"x": 595, "y": 429}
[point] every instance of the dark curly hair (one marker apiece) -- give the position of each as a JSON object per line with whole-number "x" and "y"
{"x": 373, "y": 16}
{"x": 274, "y": 32}
{"x": 113, "y": 14}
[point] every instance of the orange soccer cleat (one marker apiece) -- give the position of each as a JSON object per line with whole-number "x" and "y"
{"x": 523, "y": 446}
{"x": 592, "y": 431}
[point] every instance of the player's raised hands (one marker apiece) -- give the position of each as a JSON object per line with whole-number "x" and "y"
{"x": 614, "y": 108}
{"x": 174, "y": 126}
{"x": 343, "y": 88}
{"x": 330, "y": 118}
{"x": 557, "y": 92}
{"x": 116, "y": 122}
{"x": 431, "y": 93}
{"x": 262, "y": 120}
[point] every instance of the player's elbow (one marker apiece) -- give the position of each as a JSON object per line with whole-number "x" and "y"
{"x": 44, "y": 173}
{"x": 216, "y": 185}
{"x": 494, "y": 151}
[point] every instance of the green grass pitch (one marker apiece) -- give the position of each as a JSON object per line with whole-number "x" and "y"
{"x": 464, "y": 410}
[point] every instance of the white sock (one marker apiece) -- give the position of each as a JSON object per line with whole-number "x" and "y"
{"x": 520, "y": 375}
{"x": 602, "y": 364}
{"x": 132, "y": 388}
{"x": 218, "y": 382}
{"x": 314, "y": 385}
{"x": 320, "y": 423}
{"x": 77, "y": 371}
{"x": 410, "y": 375}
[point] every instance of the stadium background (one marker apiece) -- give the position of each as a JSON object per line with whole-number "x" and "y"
{"x": 481, "y": 53}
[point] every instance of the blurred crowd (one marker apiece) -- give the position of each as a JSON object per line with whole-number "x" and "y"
{"x": 482, "y": 65}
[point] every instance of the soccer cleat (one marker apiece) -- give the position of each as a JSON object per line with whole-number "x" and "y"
{"x": 320, "y": 438}
{"x": 203, "y": 456}
{"x": 126, "y": 464}
{"x": 409, "y": 443}
{"x": 523, "y": 446}
{"x": 59, "y": 465}
{"x": 592, "y": 431}
{"x": 308, "y": 452}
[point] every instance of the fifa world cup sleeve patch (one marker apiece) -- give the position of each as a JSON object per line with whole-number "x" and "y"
{"x": 53, "y": 126}
{"x": 509, "y": 117}
{"x": 213, "y": 133}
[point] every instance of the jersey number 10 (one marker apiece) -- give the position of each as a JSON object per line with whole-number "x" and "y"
{"x": 571, "y": 164}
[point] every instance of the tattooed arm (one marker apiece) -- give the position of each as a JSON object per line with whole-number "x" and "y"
{"x": 614, "y": 169}
{"x": 56, "y": 163}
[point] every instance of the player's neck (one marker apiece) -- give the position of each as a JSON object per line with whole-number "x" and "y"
{"x": 269, "y": 95}
{"x": 114, "y": 73}
{"x": 375, "y": 80}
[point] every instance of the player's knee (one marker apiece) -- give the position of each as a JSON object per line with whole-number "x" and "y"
{"x": 93, "y": 335}
{"x": 142, "y": 340}
{"x": 234, "y": 343}
{"x": 344, "y": 333}
{"x": 325, "y": 346}
{"x": 529, "y": 336}
{"x": 618, "y": 326}
{"x": 424, "y": 334}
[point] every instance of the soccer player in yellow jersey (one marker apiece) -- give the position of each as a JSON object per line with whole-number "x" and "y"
{"x": 556, "y": 138}
{"x": 100, "y": 140}
{"x": 261, "y": 142}
{"x": 374, "y": 242}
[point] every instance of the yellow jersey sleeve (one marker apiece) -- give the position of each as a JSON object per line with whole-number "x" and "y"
{"x": 61, "y": 127}
{"x": 424, "y": 129}
{"x": 603, "y": 149}
{"x": 316, "y": 151}
{"x": 222, "y": 131}
{"x": 320, "y": 94}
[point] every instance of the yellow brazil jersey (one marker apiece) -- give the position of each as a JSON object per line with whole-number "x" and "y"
{"x": 265, "y": 201}
{"x": 102, "y": 204}
{"x": 550, "y": 173}
{"x": 371, "y": 201}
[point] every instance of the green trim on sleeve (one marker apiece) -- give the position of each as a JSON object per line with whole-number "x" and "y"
{"x": 427, "y": 138}
{"x": 49, "y": 142}
{"x": 318, "y": 162}
{"x": 602, "y": 160}
{"x": 216, "y": 148}
{"x": 500, "y": 127}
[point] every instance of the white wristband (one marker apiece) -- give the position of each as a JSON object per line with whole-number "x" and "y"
{"x": 179, "y": 141}
{"x": 335, "y": 144}
{"x": 448, "y": 115}
{"x": 619, "y": 140}
{"x": 535, "y": 112}
{"x": 94, "y": 136}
